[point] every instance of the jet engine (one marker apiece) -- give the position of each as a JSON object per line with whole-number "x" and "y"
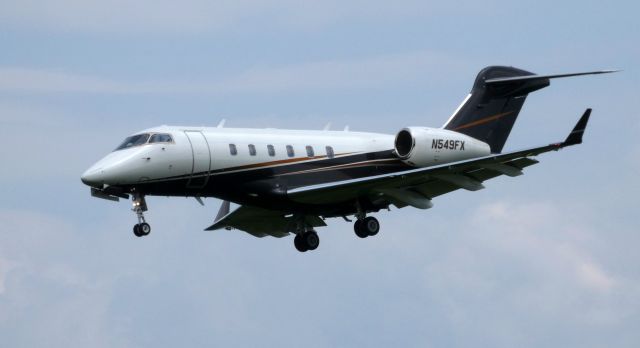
{"x": 423, "y": 147}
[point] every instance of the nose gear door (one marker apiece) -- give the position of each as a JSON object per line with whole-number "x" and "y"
{"x": 201, "y": 159}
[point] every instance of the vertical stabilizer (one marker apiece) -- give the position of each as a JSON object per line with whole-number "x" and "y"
{"x": 490, "y": 110}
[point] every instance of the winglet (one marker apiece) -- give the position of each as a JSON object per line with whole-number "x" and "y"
{"x": 575, "y": 137}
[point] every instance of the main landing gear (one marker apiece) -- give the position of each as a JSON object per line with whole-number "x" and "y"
{"x": 307, "y": 240}
{"x": 365, "y": 227}
{"x": 142, "y": 228}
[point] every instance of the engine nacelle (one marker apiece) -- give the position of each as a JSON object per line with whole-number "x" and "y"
{"x": 423, "y": 147}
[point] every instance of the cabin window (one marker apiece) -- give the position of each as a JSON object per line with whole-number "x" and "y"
{"x": 252, "y": 150}
{"x": 160, "y": 138}
{"x": 330, "y": 153}
{"x": 134, "y": 140}
{"x": 290, "y": 151}
{"x": 233, "y": 150}
{"x": 271, "y": 150}
{"x": 309, "y": 151}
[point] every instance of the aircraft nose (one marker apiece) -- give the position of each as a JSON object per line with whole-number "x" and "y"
{"x": 93, "y": 177}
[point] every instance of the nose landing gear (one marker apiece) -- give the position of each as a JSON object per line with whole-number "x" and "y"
{"x": 142, "y": 228}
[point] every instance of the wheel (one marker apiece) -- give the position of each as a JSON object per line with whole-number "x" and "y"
{"x": 370, "y": 225}
{"x": 136, "y": 230}
{"x": 299, "y": 243}
{"x": 311, "y": 240}
{"x": 145, "y": 228}
{"x": 358, "y": 228}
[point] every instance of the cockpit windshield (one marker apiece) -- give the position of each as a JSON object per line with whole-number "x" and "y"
{"x": 160, "y": 138}
{"x": 141, "y": 139}
{"x": 134, "y": 140}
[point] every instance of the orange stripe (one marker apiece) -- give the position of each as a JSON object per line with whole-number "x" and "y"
{"x": 484, "y": 120}
{"x": 271, "y": 163}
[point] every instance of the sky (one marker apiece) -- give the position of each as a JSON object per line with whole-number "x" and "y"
{"x": 546, "y": 259}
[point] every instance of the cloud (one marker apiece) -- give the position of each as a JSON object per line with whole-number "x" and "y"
{"x": 39, "y": 81}
{"x": 5, "y": 267}
{"x": 594, "y": 277}
{"x": 46, "y": 300}
{"x": 518, "y": 272}
{"x": 371, "y": 72}
{"x": 200, "y": 16}
{"x": 523, "y": 230}
{"x": 334, "y": 75}
{"x": 50, "y": 130}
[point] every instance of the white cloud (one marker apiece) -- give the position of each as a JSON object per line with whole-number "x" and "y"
{"x": 5, "y": 267}
{"x": 371, "y": 72}
{"x": 335, "y": 75}
{"x": 48, "y": 297}
{"x": 523, "y": 229}
{"x": 43, "y": 130}
{"x": 35, "y": 80}
{"x": 594, "y": 277}
{"x": 200, "y": 16}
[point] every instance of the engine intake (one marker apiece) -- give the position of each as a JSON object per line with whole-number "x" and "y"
{"x": 423, "y": 147}
{"x": 404, "y": 143}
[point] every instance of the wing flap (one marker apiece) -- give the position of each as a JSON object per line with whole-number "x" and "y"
{"x": 260, "y": 222}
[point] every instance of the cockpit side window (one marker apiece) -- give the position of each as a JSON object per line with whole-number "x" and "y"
{"x": 134, "y": 140}
{"x": 161, "y": 138}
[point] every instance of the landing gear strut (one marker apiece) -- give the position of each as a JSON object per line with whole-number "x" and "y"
{"x": 142, "y": 228}
{"x": 366, "y": 227}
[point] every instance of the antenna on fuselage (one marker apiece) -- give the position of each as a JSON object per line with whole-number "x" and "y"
{"x": 327, "y": 126}
{"x": 346, "y": 128}
{"x": 222, "y": 122}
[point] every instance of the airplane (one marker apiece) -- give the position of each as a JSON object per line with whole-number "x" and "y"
{"x": 290, "y": 181}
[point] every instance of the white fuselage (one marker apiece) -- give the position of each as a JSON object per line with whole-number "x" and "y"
{"x": 205, "y": 152}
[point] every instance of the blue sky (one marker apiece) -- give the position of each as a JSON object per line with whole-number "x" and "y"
{"x": 546, "y": 259}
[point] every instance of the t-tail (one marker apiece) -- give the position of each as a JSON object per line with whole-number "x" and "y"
{"x": 491, "y": 108}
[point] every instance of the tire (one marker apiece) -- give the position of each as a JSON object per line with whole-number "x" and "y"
{"x": 311, "y": 240}
{"x": 371, "y": 226}
{"x": 299, "y": 244}
{"x": 136, "y": 230}
{"x": 358, "y": 227}
{"x": 145, "y": 228}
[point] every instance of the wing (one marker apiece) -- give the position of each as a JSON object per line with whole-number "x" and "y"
{"x": 417, "y": 187}
{"x": 259, "y": 222}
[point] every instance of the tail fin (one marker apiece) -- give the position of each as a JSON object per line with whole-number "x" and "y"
{"x": 490, "y": 110}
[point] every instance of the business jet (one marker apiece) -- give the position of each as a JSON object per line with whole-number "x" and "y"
{"x": 291, "y": 181}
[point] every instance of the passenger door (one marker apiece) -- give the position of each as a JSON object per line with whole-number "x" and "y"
{"x": 201, "y": 160}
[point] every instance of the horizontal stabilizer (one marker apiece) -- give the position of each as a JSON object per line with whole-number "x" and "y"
{"x": 501, "y": 80}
